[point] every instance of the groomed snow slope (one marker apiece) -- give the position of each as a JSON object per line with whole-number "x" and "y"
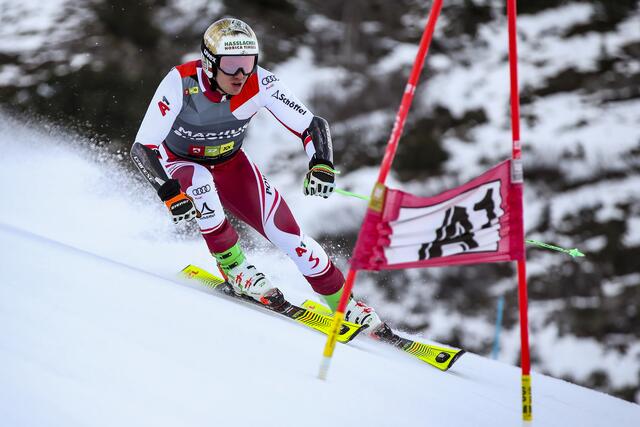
{"x": 96, "y": 330}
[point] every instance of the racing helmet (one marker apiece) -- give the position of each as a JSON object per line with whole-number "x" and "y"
{"x": 230, "y": 45}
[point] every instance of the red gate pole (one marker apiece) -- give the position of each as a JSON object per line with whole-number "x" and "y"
{"x": 389, "y": 154}
{"x": 518, "y": 181}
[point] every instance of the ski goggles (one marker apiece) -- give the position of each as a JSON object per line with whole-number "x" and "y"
{"x": 232, "y": 64}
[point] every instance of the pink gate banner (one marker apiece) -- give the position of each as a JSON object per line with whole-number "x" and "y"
{"x": 475, "y": 223}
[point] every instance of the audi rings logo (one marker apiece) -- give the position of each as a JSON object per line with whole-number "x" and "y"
{"x": 201, "y": 190}
{"x": 269, "y": 79}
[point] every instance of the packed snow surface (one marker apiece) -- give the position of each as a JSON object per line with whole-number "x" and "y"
{"x": 98, "y": 330}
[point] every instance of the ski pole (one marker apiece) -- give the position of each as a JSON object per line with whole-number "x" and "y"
{"x": 573, "y": 252}
{"x": 350, "y": 194}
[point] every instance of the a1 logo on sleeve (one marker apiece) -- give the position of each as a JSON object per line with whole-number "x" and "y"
{"x": 164, "y": 106}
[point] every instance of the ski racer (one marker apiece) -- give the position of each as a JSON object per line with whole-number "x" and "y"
{"x": 189, "y": 147}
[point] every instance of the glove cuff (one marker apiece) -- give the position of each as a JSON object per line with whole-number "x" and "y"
{"x": 169, "y": 190}
{"x": 315, "y": 162}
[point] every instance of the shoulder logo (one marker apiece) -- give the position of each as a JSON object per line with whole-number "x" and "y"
{"x": 269, "y": 79}
{"x": 164, "y": 106}
{"x": 289, "y": 103}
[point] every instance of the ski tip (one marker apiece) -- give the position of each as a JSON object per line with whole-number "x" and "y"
{"x": 189, "y": 268}
{"x": 454, "y": 359}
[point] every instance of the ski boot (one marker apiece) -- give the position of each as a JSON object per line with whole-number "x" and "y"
{"x": 360, "y": 313}
{"x": 245, "y": 279}
{"x": 355, "y": 312}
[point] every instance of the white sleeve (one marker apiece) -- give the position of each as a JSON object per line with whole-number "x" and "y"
{"x": 162, "y": 111}
{"x": 282, "y": 103}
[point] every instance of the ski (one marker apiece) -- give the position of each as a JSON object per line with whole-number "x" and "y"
{"x": 320, "y": 318}
{"x": 442, "y": 358}
{"x": 319, "y": 321}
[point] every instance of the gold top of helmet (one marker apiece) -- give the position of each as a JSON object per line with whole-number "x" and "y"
{"x": 230, "y": 36}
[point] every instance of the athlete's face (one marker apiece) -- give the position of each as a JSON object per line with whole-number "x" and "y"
{"x": 231, "y": 84}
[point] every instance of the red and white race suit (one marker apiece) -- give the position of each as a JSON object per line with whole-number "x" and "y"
{"x": 198, "y": 134}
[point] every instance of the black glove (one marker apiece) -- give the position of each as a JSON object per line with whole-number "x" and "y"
{"x": 320, "y": 180}
{"x": 179, "y": 204}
